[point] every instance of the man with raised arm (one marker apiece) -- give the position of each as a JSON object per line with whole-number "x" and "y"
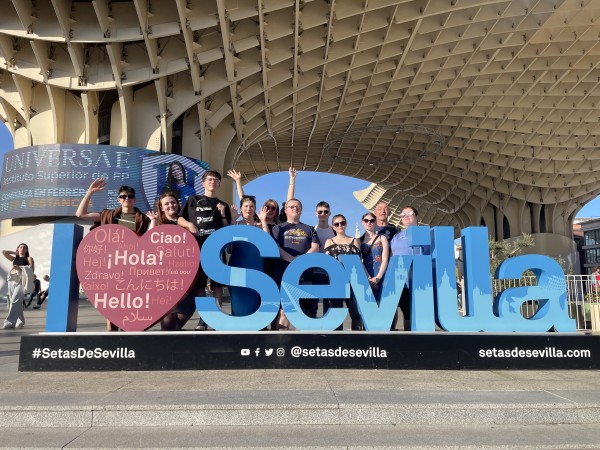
{"x": 126, "y": 214}
{"x": 295, "y": 238}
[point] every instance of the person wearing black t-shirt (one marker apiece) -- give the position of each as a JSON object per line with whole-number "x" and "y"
{"x": 383, "y": 226}
{"x": 202, "y": 215}
{"x": 295, "y": 238}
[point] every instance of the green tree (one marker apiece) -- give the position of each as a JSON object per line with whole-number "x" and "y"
{"x": 502, "y": 250}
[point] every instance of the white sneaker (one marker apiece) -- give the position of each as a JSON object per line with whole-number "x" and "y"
{"x": 20, "y": 324}
{"x": 7, "y": 325}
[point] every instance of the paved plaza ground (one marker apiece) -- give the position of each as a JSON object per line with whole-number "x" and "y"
{"x": 290, "y": 408}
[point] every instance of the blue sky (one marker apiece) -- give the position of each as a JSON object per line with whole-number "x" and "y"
{"x": 311, "y": 188}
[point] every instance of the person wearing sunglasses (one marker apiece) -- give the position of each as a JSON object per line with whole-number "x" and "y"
{"x": 126, "y": 214}
{"x": 342, "y": 244}
{"x": 399, "y": 246}
{"x": 325, "y": 232}
{"x": 271, "y": 218}
{"x": 375, "y": 253}
{"x": 323, "y": 229}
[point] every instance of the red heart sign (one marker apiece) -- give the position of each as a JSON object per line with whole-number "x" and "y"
{"x": 134, "y": 281}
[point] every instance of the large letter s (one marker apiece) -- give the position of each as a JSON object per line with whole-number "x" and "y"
{"x": 258, "y": 281}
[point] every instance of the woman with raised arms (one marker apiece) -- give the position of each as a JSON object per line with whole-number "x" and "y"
{"x": 269, "y": 217}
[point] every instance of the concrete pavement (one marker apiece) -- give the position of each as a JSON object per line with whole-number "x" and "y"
{"x": 291, "y": 408}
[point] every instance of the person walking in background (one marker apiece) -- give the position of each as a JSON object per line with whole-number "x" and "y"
{"x": 596, "y": 275}
{"x": 202, "y": 215}
{"x": 19, "y": 276}
{"x": 37, "y": 288}
{"x": 45, "y": 289}
{"x": 126, "y": 214}
{"x": 375, "y": 252}
{"x": 342, "y": 244}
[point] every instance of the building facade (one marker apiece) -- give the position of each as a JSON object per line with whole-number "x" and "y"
{"x": 479, "y": 113}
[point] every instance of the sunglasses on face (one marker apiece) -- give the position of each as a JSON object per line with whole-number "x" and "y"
{"x": 324, "y": 211}
{"x": 408, "y": 214}
{"x": 369, "y": 220}
{"x": 126, "y": 196}
{"x": 339, "y": 224}
{"x": 272, "y": 208}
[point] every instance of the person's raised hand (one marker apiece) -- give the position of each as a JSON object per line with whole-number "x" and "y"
{"x": 97, "y": 185}
{"x": 234, "y": 175}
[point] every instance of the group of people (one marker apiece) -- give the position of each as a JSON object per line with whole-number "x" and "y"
{"x": 203, "y": 214}
{"x": 22, "y": 282}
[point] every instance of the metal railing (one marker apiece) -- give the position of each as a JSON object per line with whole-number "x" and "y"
{"x": 583, "y": 291}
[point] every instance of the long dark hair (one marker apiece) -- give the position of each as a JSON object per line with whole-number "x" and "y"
{"x": 26, "y": 249}
{"x": 369, "y": 213}
{"x": 171, "y": 181}
{"x": 276, "y": 217}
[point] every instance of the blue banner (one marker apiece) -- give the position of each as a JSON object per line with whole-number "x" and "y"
{"x": 50, "y": 180}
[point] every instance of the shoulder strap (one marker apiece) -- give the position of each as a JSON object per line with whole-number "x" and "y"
{"x": 371, "y": 246}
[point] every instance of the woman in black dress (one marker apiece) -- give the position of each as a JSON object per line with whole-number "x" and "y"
{"x": 342, "y": 244}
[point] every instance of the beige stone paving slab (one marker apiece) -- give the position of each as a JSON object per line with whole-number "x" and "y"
{"x": 513, "y": 437}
